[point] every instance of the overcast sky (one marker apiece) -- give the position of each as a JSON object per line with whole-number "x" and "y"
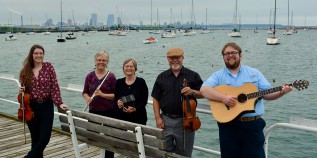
{"x": 219, "y": 11}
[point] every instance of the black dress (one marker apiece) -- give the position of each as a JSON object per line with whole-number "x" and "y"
{"x": 140, "y": 91}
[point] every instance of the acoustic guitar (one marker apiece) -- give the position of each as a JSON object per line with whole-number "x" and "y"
{"x": 246, "y": 95}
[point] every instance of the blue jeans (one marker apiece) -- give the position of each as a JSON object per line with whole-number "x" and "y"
{"x": 242, "y": 139}
{"x": 40, "y": 127}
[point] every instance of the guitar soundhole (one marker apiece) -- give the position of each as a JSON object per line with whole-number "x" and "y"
{"x": 242, "y": 98}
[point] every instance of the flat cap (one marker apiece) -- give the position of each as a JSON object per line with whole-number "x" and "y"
{"x": 174, "y": 52}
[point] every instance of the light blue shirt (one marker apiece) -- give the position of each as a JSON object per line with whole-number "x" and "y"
{"x": 245, "y": 75}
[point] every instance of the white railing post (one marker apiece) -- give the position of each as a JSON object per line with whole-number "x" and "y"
{"x": 139, "y": 138}
{"x": 73, "y": 133}
{"x": 102, "y": 153}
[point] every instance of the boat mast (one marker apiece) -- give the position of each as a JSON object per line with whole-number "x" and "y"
{"x": 235, "y": 14}
{"x": 61, "y": 17}
{"x": 206, "y": 18}
{"x": 151, "y": 13}
{"x": 288, "y": 14}
{"x": 274, "y": 19}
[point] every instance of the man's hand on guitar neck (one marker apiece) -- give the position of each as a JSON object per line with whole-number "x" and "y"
{"x": 286, "y": 89}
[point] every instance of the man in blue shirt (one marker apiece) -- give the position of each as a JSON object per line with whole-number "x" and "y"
{"x": 244, "y": 136}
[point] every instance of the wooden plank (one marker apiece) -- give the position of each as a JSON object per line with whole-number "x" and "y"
{"x": 118, "y": 123}
{"x": 12, "y": 145}
{"x": 119, "y": 133}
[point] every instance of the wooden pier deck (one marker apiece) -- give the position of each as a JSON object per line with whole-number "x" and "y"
{"x": 12, "y": 141}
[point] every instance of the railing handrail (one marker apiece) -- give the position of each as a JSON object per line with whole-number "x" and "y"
{"x": 295, "y": 123}
{"x": 75, "y": 88}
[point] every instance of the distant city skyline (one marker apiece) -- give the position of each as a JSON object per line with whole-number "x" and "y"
{"x": 139, "y": 11}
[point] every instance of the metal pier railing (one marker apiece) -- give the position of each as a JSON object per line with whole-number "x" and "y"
{"x": 295, "y": 123}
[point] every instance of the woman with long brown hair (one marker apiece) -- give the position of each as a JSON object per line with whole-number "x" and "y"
{"x": 40, "y": 81}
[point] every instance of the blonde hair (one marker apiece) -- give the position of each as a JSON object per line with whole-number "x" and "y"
{"x": 102, "y": 52}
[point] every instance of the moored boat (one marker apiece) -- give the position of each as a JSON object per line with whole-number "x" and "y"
{"x": 150, "y": 40}
{"x": 11, "y": 38}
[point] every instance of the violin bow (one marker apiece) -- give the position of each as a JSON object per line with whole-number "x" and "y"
{"x": 22, "y": 102}
{"x": 93, "y": 95}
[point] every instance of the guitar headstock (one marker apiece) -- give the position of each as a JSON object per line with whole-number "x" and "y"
{"x": 300, "y": 84}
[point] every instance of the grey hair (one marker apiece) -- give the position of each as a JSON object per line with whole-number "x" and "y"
{"x": 133, "y": 62}
{"x": 102, "y": 52}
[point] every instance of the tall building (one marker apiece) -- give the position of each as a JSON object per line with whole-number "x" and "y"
{"x": 110, "y": 20}
{"x": 119, "y": 22}
{"x": 94, "y": 20}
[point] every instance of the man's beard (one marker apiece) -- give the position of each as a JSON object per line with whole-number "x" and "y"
{"x": 233, "y": 66}
{"x": 176, "y": 66}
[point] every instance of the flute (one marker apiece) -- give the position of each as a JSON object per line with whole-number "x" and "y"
{"x": 93, "y": 95}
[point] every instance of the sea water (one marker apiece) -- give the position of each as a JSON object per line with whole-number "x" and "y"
{"x": 293, "y": 59}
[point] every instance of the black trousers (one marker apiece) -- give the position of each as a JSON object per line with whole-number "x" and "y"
{"x": 40, "y": 127}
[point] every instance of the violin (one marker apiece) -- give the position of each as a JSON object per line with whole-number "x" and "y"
{"x": 25, "y": 112}
{"x": 190, "y": 121}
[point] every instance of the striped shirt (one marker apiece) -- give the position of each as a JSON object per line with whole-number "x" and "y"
{"x": 167, "y": 89}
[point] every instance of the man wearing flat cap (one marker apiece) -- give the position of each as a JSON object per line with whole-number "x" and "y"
{"x": 168, "y": 93}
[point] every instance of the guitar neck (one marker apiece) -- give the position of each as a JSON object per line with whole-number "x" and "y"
{"x": 265, "y": 92}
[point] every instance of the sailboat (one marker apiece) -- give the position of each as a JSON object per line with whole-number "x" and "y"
{"x": 288, "y": 29}
{"x": 292, "y": 24}
{"x": 270, "y": 31}
{"x": 46, "y": 32}
{"x": 305, "y": 28}
{"x": 60, "y": 38}
{"x": 256, "y": 25}
{"x": 158, "y": 31}
{"x": 169, "y": 33}
{"x": 273, "y": 40}
{"x": 11, "y": 36}
{"x": 205, "y": 30}
{"x": 236, "y": 30}
{"x": 189, "y": 31}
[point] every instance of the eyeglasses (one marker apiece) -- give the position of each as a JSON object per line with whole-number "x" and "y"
{"x": 100, "y": 60}
{"x": 129, "y": 66}
{"x": 175, "y": 58}
{"x": 230, "y": 53}
{"x": 38, "y": 54}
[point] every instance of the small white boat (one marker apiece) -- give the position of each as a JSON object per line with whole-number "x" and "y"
{"x": 85, "y": 34}
{"x": 205, "y": 31}
{"x": 46, "y": 33}
{"x": 30, "y": 33}
{"x": 11, "y": 38}
{"x": 273, "y": 40}
{"x": 189, "y": 33}
{"x": 61, "y": 38}
{"x": 70, "y": 36}
{"x": 287, "y": 32}
{"x": 113, "y": 32}
{"x": 235, "y": 33}
{"x": 150, "y": 40}
{"x": 122, "y": 33}
{"x": 168, "y": 35}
